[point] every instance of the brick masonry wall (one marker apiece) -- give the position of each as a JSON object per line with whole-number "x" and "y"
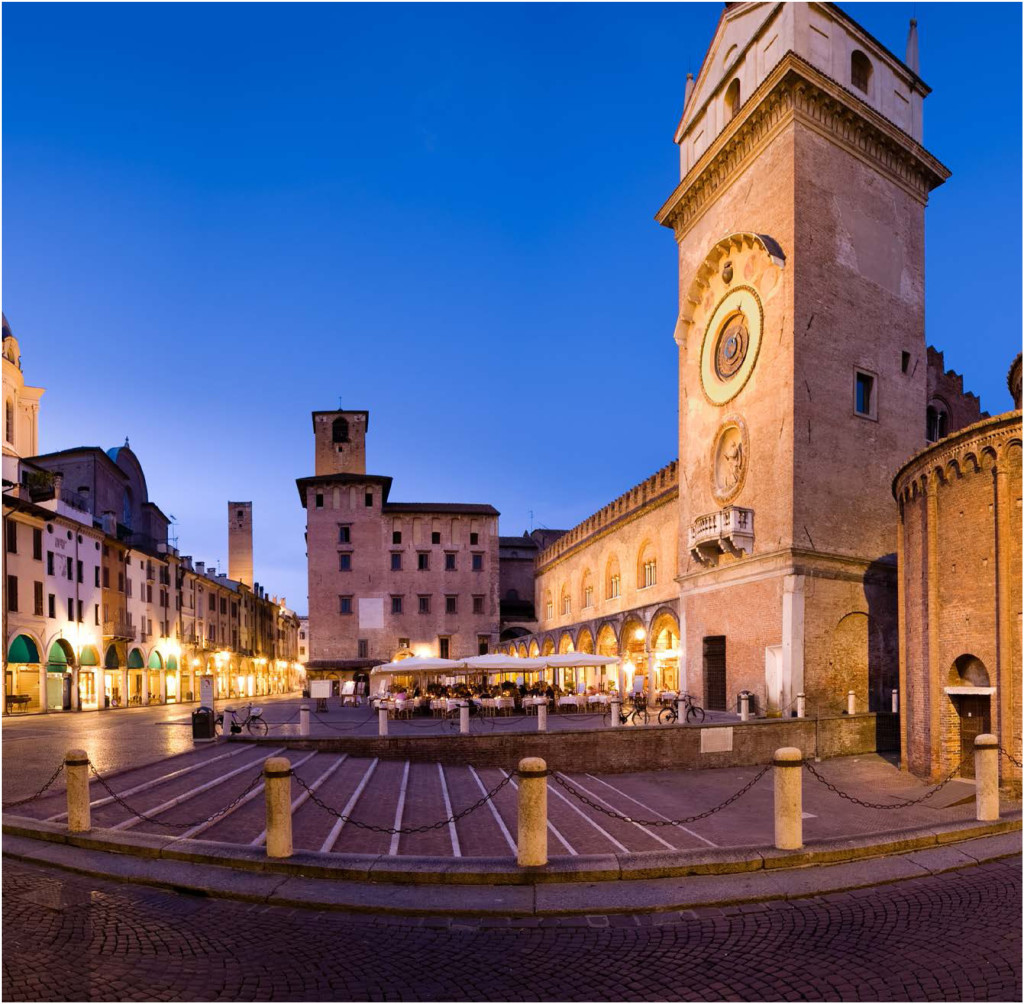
{"x": 621, "y": 751}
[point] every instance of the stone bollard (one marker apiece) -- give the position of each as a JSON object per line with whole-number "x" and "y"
{"x": 533, "y": 812}
{"x": 801, "y": 706}
{"x": 744, "y": 708}
{"x": 542, "y": 717}
{"x": 382, "y": 721}
{"x": 304, "y": 720}
{"x": 789, "y": 822}
{"x": 851, "y": 703}
{"x": 986, "y": 775}
{"x": 76, "y": 767}
{"x": 277, "y": 785}
{"x": 616, "y": 714}
{"x": 895, "y": 702}
{"x": 680, "y": 712}
{"x": 464, "y": 718}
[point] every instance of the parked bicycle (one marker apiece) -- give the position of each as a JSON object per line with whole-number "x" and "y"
{"x": 638, "y": 713}
{"x": 670, "y": 713}
{"x": 253, "y": 722}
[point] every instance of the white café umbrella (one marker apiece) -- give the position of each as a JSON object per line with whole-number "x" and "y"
{"x": 419, "y": 664}
{"x": 498, "y": 662}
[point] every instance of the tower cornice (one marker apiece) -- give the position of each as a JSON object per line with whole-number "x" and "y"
{"x": 795, "y": 90}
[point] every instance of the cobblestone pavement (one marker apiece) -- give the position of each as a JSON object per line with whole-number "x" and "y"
{"x": 955, "y": 936}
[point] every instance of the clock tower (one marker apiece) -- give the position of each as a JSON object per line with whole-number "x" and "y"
{"x": 799, "y": 219}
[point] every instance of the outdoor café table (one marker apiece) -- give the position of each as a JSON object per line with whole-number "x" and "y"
{"x": 505, "y": 704}
{"x": 489, "y": 705}
{"x": 530, "y": 704}
{"x": 597, "y": 699}
{"x": 453, "y": 705}
{"x": 570, "y": 701}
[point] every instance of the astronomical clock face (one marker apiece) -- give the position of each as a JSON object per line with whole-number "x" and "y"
{"x": 731, "y": 343}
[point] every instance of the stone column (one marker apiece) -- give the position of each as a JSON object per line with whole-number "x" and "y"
{"x": 163, "y": 686}
{"x": 76, "y": 771}
{"x": 145, "y": 686}
{"x": 789, "y": 821}
{"x": 101, "y": 688}
{"x": 124, "y": 688}
{"x": 76, "y": 700}
{"x": 792, "y": 638}
{"x": 277, "y": 784}
{"x": 42, "y": 686}
{"x": 986, "y": 773}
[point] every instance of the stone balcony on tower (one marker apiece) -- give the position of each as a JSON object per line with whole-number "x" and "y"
{"x": 729, "y": 530}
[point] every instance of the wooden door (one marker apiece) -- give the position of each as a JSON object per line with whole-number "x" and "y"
{"x": 714, "y": 673}
{"x": 974, "y": 721}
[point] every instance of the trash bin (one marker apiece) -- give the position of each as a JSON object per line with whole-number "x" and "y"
{"x": 203, "y": 730}
{"x": 751, "y": 702}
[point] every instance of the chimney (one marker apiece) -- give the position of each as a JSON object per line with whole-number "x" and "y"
{"x": 913, "y": 59}
{"x": 201, "y": 567}
{"x": 109, "y": 523}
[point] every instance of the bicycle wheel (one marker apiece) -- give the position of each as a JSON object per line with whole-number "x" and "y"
{"x": 641, "y": 716}
{"x": 218, "y": 725}
{"x": 666, "y": 716}
{"x": 257, "y": 726}
{"x": 695, "y": 714}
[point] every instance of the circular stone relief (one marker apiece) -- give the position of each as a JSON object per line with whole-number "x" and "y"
{"x": 730, "y": 455}
{"x": 731, "y": 342}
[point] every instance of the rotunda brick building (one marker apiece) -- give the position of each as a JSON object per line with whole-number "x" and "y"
{"x": 959, "y": 540}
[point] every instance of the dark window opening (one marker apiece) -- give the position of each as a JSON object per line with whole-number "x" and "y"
{"x": 368, "y": 499}
{"x": 860, "y": 71}
{"x": 339, "y": 431}
{"x": 396, "y": 537}
{"x": 864, "y": 401}
{"x": 905, "y": 362}
{"x": 396, "y": 562}
{"x": 474, "y": 539}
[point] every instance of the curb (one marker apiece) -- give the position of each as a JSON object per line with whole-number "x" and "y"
{"x": 497, "y": 886}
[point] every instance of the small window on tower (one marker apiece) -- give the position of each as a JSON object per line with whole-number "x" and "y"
{"x": 732, "y": 99}
{"x": 339, "y": 431}
{"x": 239, "y": 516}
{"x": 474, "y": 539}
{"x": 435, "y": 538}
{"x": 368, "y": 499}
{"x": 905, "y": 362}
{"x": 865, "y": 402}
{"x": 319, "y": 502}
{"x": 396, "y": 537}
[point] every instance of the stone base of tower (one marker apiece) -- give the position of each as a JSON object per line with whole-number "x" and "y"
{"x": 790, "y": 623}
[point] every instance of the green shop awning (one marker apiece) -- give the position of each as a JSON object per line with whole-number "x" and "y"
{"x": 135, "y": 659}
{"x": 89, "y": 657}
{"x": 155, "y": 662}
{"x": 23, "y": 649}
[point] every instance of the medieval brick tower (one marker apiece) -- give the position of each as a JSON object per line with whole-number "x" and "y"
{"x": 340, "y": 441}
{"x": 240, "y": 542}
{"x": 802, "y": 362}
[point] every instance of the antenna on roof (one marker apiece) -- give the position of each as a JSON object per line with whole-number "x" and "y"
{"x": 125, "y": 440}
{"x": 531, "y": 521}
{"x": 339, "y": 402}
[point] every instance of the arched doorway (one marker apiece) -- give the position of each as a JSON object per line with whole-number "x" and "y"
{"x": 970, "y": 691}
{"x": 585, "y": 641}
{"x": 565, "y": 644}
{"x": 548, "y": 647}
{"x": 664, "y": 643}
{"x": 22, "y": 688}
{"x": 90, "y": 683}
{"x": 633, "y": 650}
{"x": 60, "y": 660}
{"x": 136, "y": 671}
{"x": 534, "y": 649}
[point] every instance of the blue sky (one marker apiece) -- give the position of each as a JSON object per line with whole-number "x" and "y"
{"x": 220, "y": 217}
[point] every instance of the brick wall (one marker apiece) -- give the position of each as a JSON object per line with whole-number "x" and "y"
{"x": 621, "y": 751}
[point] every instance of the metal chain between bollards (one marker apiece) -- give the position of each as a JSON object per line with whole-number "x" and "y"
{"x": 178, "y": 826}
{"x": 426, "y": 828}
{"x": 886, "y": 805}
{"x": 32, "y": 798}
{"x": 343, "y": 728}
{"x": 1012, "y": 759}
{"x": 662, "y": 822}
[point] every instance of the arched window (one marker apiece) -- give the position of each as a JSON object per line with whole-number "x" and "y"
{"x": 9, "y": 422}
{"x": 586, "y": 591}
{"x": 860, "y": 71}
{"x": 646, "y": 566}
{"x": 339, "y": 430}
{"x": 732, "y": 99}
{"x": 549, "y": 605}
{"x": 612, "y": 579}
{"x": 566, "y": 601}
{"x": 937, "y": 422}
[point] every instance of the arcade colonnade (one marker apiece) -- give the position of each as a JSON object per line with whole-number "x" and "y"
{"x": 56, "y": 675}
{"x": 645, "y": 638}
